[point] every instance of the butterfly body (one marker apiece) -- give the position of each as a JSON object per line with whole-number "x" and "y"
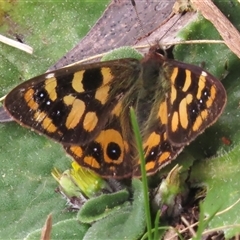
{"x": 86, "y": 109}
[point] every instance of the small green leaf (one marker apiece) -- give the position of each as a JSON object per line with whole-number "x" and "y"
{"x": 218, "y": 164}
{"x": 99, "y": 207}
{"x": 127, "y": 223}
{"x": 122, "y": 52}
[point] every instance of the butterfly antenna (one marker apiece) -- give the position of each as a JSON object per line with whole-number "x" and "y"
{"x": 171, "y": 15}
{"x": 180, "y": 15}
{"x": 138, "y": 18}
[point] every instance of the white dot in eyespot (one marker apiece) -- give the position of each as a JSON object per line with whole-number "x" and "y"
{"x": 114, "y": 151}
{"x": 48, "y": 103}
{"x": 50, "y": 75}
{"x": 95, "y": 149}
{"x": 152, "y": 153}
{"x": 41, "y": 95}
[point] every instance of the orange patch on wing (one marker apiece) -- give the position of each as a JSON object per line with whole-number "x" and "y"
{"x": 183, "y": 113}
{"x": 162, "y": 113}
{"x": 28, "y": 97}
{"x": 213, "y": 93}
{"x": 118, "y": 109}
{"x": 91, "y": 162}
{"x": 74, "y": 116}
{"x": 174, "y": 75}
{"x": 77, "y": 81}
{"x": 39, "y": 116}
{"x": 173, "y": 94}
{"x": 77, "y": 151}
{"x": 153, "y": 140}
{"x": 102, "y": 94}
{"x": 150, "y": 165}
{"x": 68, "y": 100}
{"x": 201, "y": 86}
{"x": 48, "y": 125}
{"x": 107, "y": 75}
{"x": 204, "y": 114}
{"x": 197, "y": 124}
{"x": 188, "y": 81}
{"x": 90, "y": 121}
{"x": 175, "y": 121}
{"x": 50, "y": 87}
{"x": 164, "y": 157}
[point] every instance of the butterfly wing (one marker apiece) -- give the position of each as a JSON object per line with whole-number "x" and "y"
{"x": 158, "y": 150}
{"x": 185, "y": 101}
{"x": 195, "y": 102}
{"x": 109, "y": 154}
{"x": 72, "y": 105}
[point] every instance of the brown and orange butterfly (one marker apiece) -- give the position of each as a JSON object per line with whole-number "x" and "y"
{"x": 86, "y": 108}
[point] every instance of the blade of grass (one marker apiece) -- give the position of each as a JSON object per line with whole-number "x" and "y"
{"x": 136, "y": 131}
{"x": 203, "y": 222}
{"x": 156, "y": 234}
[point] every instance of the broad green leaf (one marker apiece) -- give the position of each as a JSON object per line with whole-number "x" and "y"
{"x": 27, "y": 187}
{"x": 217, "y": 165}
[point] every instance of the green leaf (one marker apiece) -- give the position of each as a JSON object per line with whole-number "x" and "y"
{"x": 218, "y": 164}
{"x": 122, "y": 52}
{"x": 27, "y": 187}
{"x": 127, "y": 223}
{"x": 52, "y": 28}
{"x": 102, "y": 206}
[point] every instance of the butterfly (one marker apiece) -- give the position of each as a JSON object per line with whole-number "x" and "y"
{"x": 86, "y": 108}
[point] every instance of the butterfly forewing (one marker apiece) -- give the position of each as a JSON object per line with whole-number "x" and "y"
{"x": 195, "y": 102}
{"x": 72, "y": 105}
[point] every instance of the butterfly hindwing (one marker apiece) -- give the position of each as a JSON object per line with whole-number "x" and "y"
{"x": 109, "y": 154}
